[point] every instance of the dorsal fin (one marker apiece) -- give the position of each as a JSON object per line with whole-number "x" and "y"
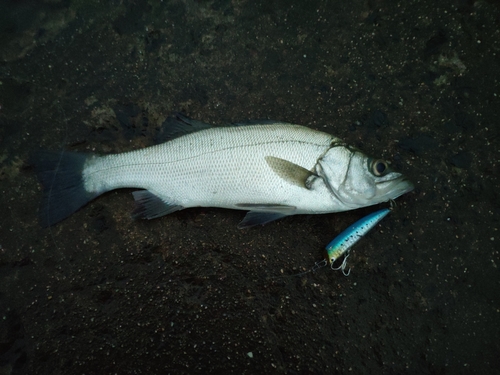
{"x": 178, "y": 125}
{"x": 258, "y": 122}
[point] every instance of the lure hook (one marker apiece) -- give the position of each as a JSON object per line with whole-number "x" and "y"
{"x": 392, "y": 204}
{"x": 343, "y": 265}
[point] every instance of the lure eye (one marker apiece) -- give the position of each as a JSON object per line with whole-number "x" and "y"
{"x": 379, "y": 167}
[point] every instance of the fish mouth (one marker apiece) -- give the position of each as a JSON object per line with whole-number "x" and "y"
{"x": 394, "y": 188}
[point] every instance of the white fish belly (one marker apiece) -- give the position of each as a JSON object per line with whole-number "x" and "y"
{"x": 218, "y": 167}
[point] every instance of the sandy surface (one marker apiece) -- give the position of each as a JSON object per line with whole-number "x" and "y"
{"x": 415, "y": 82}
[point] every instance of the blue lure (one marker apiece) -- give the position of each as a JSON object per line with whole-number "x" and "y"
{"x": 345, "y": 240}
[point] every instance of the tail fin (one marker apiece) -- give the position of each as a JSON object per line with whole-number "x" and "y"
{"x": 60, "y": 174}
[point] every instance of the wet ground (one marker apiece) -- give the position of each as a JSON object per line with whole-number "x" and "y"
{"x": 415, "y": 82}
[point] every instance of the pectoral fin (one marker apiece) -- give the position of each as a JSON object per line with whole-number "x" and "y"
{"x": 261, "y": 214}
{"x": 292, "y": 173}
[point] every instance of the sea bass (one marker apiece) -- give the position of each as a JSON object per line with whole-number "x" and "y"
{"x": 271, "y": 169}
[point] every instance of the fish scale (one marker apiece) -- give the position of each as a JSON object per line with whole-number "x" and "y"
{"x": 233, "y": 157}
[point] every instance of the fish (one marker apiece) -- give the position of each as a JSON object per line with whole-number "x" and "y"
{"x": 270, "y": 169}
{"x": 347, "y": 238}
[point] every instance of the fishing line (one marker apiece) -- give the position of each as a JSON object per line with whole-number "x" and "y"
{"x": 317, "y": 266}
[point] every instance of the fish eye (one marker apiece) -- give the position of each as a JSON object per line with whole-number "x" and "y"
{"x": 379, "y": 167}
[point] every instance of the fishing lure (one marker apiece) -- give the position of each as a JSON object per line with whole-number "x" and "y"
{"x": 345, "y": 240}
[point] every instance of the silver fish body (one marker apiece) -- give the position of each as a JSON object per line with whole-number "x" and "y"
{"x": 271, "y": 169}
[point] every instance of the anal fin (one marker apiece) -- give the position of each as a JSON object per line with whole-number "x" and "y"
{"x": 150, "y": 206}
{"x": 261, "y": 214}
